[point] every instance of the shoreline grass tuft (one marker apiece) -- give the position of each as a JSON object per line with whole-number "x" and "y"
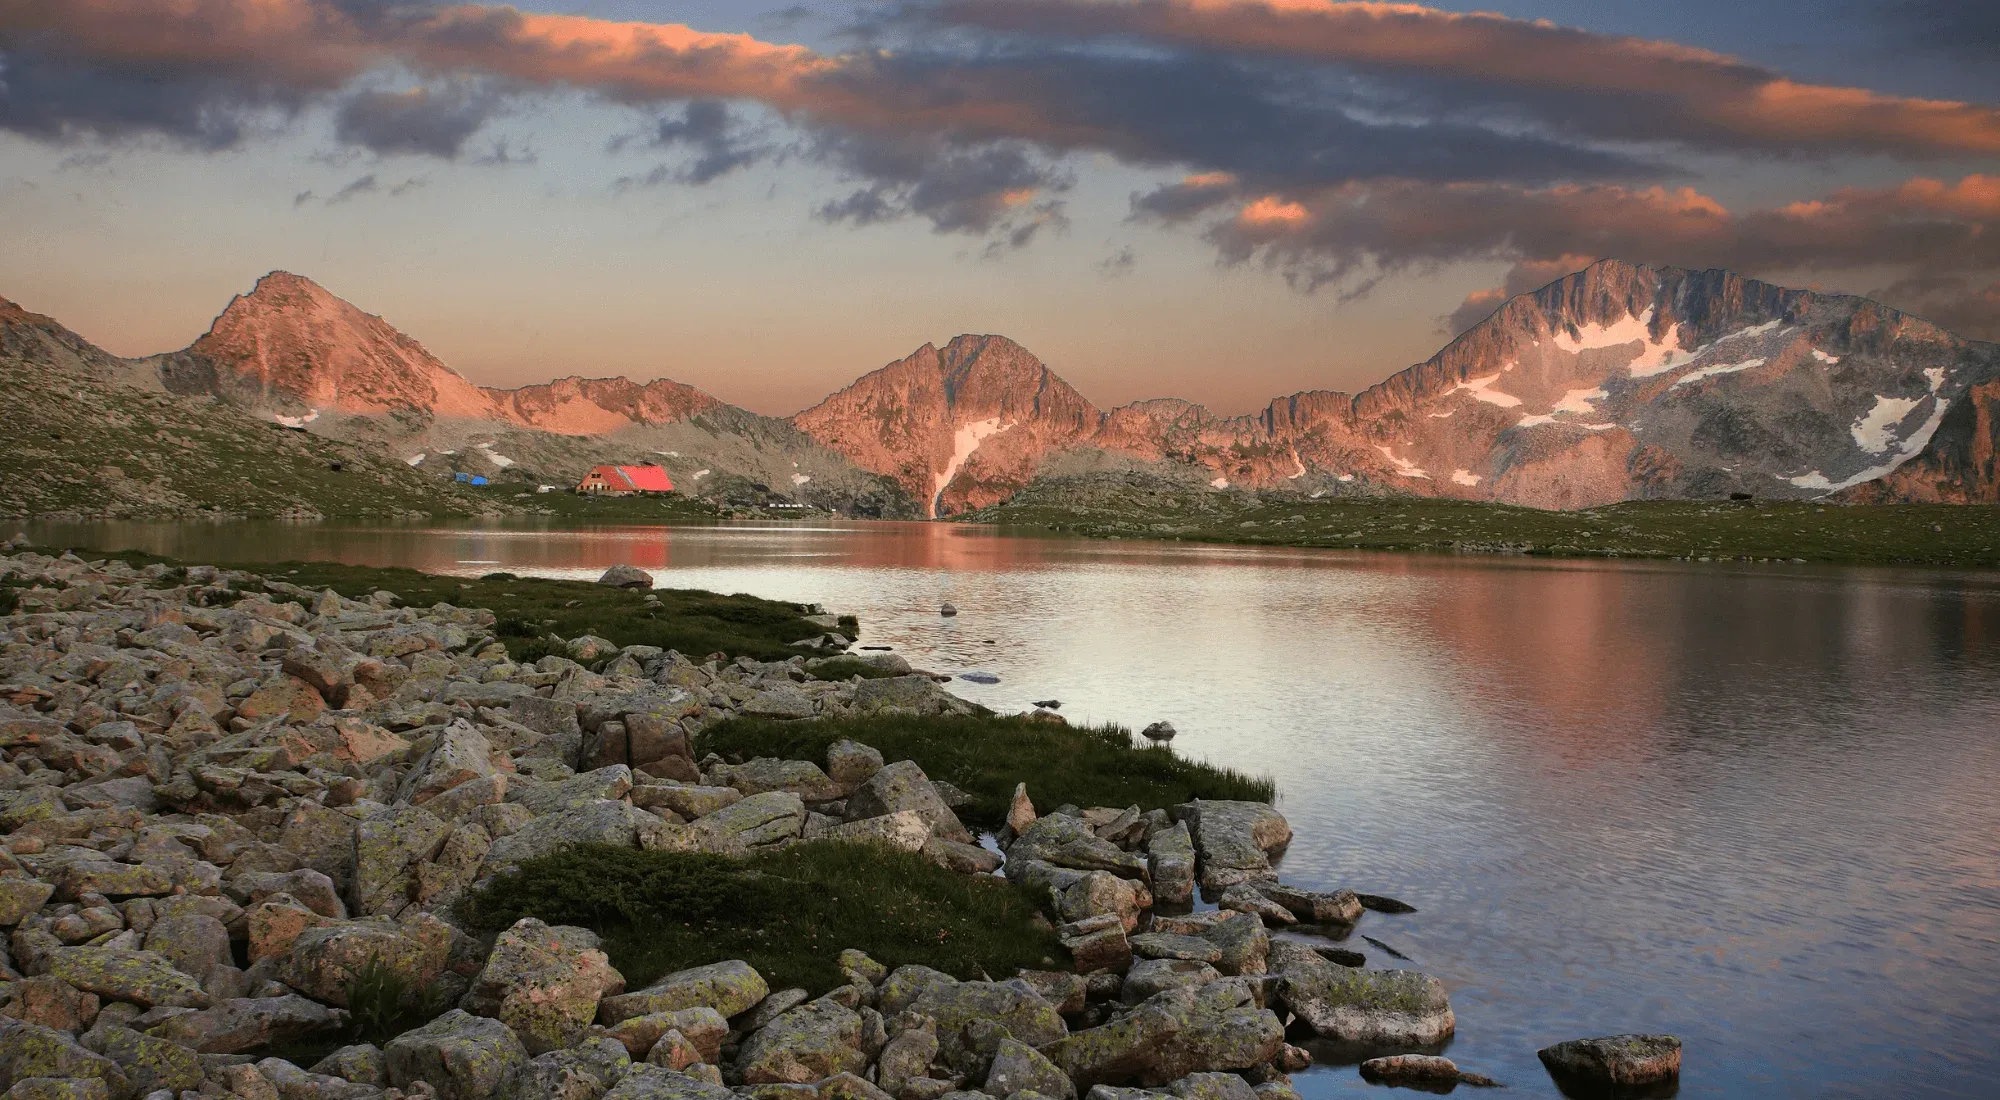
{"x": 986, "y": 755}
{"x": 788, "y": 913}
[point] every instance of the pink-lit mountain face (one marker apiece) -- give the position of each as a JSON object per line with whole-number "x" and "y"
{"x": 1615, "y": 383}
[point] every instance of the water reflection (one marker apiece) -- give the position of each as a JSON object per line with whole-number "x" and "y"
{"x": 1754, "y": 807}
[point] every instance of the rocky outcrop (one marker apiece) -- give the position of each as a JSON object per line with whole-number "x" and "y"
{"x": 1616, "y": 1061}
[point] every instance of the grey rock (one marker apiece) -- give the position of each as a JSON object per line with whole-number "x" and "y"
{"x": 903, "y": 786}
{"x": 544, "y": 983}
{"x": 815, "y": 1040}
{"x": 1368, "y": 1006}
{"x": 1170, "y": 858}
{"x": 1233, "y": 840}
{"x": 849, "y": 764}
{"x": 644, "y": 1082}
{"x": 1212, "y": 1086}
{"x": 583, "y": 1072}
{"x": 1018, "y": 1066}
{"x": 1336, "y": 907}
{"x": 247, "y": 1023}
{"x": 607, "y": 822}
{"x": 360, "y": 1063}
{"x": 462, "y": 1056}
{"x": 626, "y": 576}
{"x": 800, "y": 777}
{"x": 729, "y": 987}
{"x": 1069, "y": 842}
{"x": 757, "y": 820}
{"x": 1615, "y": 1061}
{"x": 1150, "y": 976}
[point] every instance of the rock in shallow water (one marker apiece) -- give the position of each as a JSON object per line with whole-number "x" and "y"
{"x": 1614, "y": 1061}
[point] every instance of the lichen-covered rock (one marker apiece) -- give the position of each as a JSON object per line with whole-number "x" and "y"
{"x": 1172, "y": 1034}
{"x": 1018, "y": 1067}
{"x": 1615, "y": 1061}
{"x": 1245, "y": 946}
{"x": 850, "y": 764}
{"x": 1418, "y": 1071}
{"x": 904, "y": 786}
{"x": 1246, "y": 898}
{"x": 908, "y": 1054}
{"x": 701, "y": 1026}
{"x": 688, "y": 802}
{"x": 543, "y": 982}
{"x": 1335, "y": 907}
{"x": 583, "y": 1072}
{"x": 323, "y": 960}
{"x": 460, "y": 754}
{"x": 1150, "y": 976}
{"x": 322, "y": 838}
{"x": 194, "y": 944}
{"x": 606, "y": 822}
{"x": 605, "y": 784}
{"x": 20, "y": 897}
{"x": 462, "y": 1056}
{"x": 644, "y": 1082}
{"x": 145, "y": 978}
{"x": 1357, "y": 1005}
{"x": 31, "y": 1051}
{"x": 1013, "y": 1006}
{"x": 293, "y": 1083}
{"x": 914, "y": 694}
{"x": 59, "y": 1088}
{"x": 757, "y": 820}
{"x": 1066, "y": 841}
{"x": 1233, "y": 840}
{"x": 727, "y": 987}
{"x": 905, "y": 831}
{"x": 247, "y": 1023}
{"x": 1174, "y": 945}
{"x": 1170, "y": 859}
{"x": 817, "y": 1039}
{"x": 360, "y": 1063}
{"x": 764, "y": 774}
{"x": 388, "y": 845}
{"x": 113, "y": 880}
{"x": 149, "y": 1063}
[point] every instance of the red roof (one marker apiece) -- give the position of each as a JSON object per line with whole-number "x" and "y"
{"x": 643, "y": 479}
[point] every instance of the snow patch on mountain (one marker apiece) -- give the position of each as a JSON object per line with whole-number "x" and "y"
{"x": 1465, "y": 477}
{"x": 1716, "y": 369}
{"x": 1404, "y": 467}
{"x": 1876, "y": 431}
{"x": 965, "y": 441}
{"x": 1481, "y": 388}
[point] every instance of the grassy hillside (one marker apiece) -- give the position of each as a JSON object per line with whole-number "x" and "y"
{"x": 1893, "y": 534}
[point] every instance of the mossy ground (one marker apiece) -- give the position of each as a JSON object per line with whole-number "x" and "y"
{"x": 694, "y": 622}
{"x": 987, "y": 755}
{"x": 787, "y": 913}
{"x": 1759, "y": 530}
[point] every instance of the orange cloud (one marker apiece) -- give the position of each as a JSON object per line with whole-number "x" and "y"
{"x": 1609, "y": 86}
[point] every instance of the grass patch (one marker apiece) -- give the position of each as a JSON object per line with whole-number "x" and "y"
{"x": 689, "y": 620}
{"x": 985, "y": 756}
{"x": 787, "y": 913}
{"x": 1716, "y": 530}
{"x": 846, "y": 668}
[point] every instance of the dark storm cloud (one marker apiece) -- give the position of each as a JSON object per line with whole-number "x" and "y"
{"x": 433, "y": 121}
{"x": 718, "y": 140}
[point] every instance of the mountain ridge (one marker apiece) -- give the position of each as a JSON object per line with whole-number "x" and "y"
{"x": 1616, "y": 382}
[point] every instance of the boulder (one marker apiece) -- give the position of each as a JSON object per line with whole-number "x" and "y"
{"x": 913, "y": 694}
{"x": 908, "y": 1055}
{"x": 1233, "y": 840}
{"x": 849, "y": 764}
{"x": 293, "y": 1083}
{"x": 360, "y": 1063}
{"x": 1150, "y": 976}
{"x": 966, "y": 859}
{"x": 1390, "y": 1007}
{"x": 1418, "y": 1071}
{"x": 626, "y": 576}
{"x": 1013, "y": 1006}
{"x": 903, "y": 786}
{"x": 325, "y": 959}
{"x": 1018, "y": 1066}
{"x": 701, "y": 1026}
{"x": 249, "y": 1023}
{"x": 800, "y": 777}
{"x": 1212, "y": 1086}
{"x": 905, "y": 831}
{"x": 1337, "y": 907}
{"x": 1170, "y": 859}
{"x": 29, "y": 1051}
{"x": 1173, "y": 945}
{"x": 388, "y": 845}
{"x": 818, "y": 1039}
{"x": 52, "y": 1004}
{"x": 608, "y": 822}
{"x": 727, "y": 987}
{"x": 58, "y": 1088}
{"x": 1174, "y": 1033}
{"x": 145, "y": 978}
{"x": 583, "y": 1072}
{"x": 784, "y": 701}
{"x": 689, "y": 802}
{"x": 1615, "y": 1061}
{"x": 544, "y": 983}
{"x": 644, "y": 1082}
{"x": 906, "y": 984}
{"x": 20, "y": 897}
{"x": 1020, "y": 811}
{"x": 1245, "y": 898}
{"x": 607, "y": 784}
{"x": 757, "y": 820}
{"x": 194, "y": 944}
{"x": 149, "y": 1063}
{"x": 1069, "y": 842}
{"x": 1246, "y": 947}
{"x": 1098, "y": 944}
{"x": 462, "y": 1056}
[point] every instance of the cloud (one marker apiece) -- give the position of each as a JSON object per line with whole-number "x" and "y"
{"x": 717, "y": 139}
{"x": 1955, "y": 303}
{"x": 1524, "y": 276}
{"x": 1568, "y": 81}
{"x": 998, "y": 187}
{"x": 366, "y": 185}
{"x": 1357, "y": 232}
{"x": 430, "y": 120}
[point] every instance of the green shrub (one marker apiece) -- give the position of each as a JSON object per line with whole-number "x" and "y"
{"x": 382, "y": 1004}
{"x": 985, "y": 756}
{"x": 787, "y": 913}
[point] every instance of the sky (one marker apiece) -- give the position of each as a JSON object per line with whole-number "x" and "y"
{"x": 1221, "y": 200}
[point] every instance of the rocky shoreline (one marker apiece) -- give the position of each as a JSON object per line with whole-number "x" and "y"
{"x": 233, "y": 807}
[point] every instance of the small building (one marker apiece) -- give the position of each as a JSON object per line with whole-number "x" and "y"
{"x": 625, "y": 480}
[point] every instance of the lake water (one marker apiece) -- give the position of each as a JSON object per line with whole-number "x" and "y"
{"x": 1756, "y": 807}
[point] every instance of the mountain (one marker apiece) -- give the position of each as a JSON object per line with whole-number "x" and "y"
{"x": 85, "y": 433}
{"x": 959, "y": 427}
{"x": 290, "y": 352}
{"x": 1618, "y": 382}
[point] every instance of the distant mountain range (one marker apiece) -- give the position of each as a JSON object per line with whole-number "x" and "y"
{"x": 1615, "y": 383}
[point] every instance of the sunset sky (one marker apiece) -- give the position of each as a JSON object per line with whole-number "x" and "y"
{"x": 1224, "y": 200}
